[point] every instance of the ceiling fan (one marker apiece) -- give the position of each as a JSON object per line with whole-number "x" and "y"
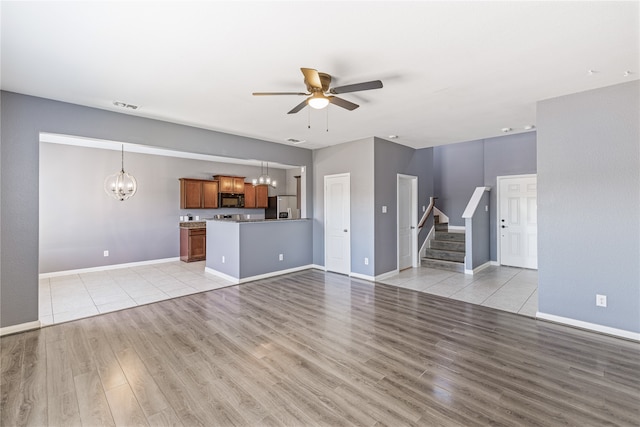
{"x": 318, "y": 87}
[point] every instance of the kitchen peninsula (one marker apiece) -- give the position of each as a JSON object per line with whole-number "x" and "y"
{"x": 247, "y": 249}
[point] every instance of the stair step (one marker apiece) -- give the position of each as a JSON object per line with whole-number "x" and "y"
{"x": 444, "y": 255}
{"x": 450, "y": 236}
{"x": 444, "y": 226}
{"x": 448, "y": 245}
{"x": 443, "y": 265}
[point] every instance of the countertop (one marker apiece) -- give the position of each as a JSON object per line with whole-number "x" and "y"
{"x": 193, "y": 224}
{"x": 241, "y": 221}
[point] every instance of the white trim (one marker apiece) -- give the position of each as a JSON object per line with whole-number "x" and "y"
{"x": 22, "y": 327}
{"x": 456, "y": 228}
{"x": 318, "y": 267}
{"x": 106, "y": 267}
{"x": 443, "y": 218}
{"x": 415, "y": 255}
{"x": 237, "y": 281}
{"x": 324, "y": 235}
{"x": 105, "y": 144}
{"x": 474, "y": 201}
{"x": 478, "y": 268}
{"x": 374, "y": 278}
{"x": 635, "y": 336}
{"x": 497, "y": 213}
{"x": 430, "y": 236}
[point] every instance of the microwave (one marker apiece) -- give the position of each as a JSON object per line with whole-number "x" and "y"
{"x": 231, "y": 200}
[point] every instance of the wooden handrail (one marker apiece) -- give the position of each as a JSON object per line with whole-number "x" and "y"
{"x": 427, "y": 212}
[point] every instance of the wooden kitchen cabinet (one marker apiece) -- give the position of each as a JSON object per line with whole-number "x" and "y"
{"x": 193, "y": 244}
{"x": 230, "y": 184}
{"x": 256, "y": 196}
{"x": 262, "y": 196}
{"x": 198, "y": 194}
{"x": 249, "y": 195}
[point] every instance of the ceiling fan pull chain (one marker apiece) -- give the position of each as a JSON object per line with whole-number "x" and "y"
{"x": 309, "y": 118}
{"x": 327, "y": 118}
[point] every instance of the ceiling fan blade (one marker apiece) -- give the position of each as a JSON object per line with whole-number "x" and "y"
{"x": 279, "y": 93}
{"x": 312, "y": 78}
{"x": 298, "y": 107}
{"x": 375, "y": 84}
{"x": 342, "y": 103}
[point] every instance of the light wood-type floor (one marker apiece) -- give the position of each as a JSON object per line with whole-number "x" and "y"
{"x": 314, "y": 348}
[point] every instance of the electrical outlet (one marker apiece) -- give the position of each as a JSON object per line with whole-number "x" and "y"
{"x": 366, "y": 261}
{"x": 486, "y": 208}
{"x": 281, "y": 257}
{"x": 384, "y": 209}
{"x": 106, "y": 253}
{"x": 601, "y": 300}
{"x": 223, "y": 259}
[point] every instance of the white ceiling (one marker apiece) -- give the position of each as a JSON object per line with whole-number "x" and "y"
{"x": 452, "y": 71}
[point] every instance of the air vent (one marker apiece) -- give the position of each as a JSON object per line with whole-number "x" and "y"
{"x": 295, "y": 141}
{"x": 125, "y": 105}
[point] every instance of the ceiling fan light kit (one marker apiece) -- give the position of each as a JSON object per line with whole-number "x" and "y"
{"x": 318, "y": 85}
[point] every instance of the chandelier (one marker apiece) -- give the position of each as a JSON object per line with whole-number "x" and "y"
{"x": 264, "y": 178}
{"x": 121, "y": 185}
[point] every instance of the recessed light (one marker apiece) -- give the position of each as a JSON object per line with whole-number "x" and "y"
{"x": 393, "y": 136}
{"x": 505, "y": 130}
{"x": 627, "y": 73}
{"x": 529, "y": 127}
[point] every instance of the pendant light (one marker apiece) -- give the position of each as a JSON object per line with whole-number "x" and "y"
{"x": 264, "y": 178}
{"x": 121, "y": 185}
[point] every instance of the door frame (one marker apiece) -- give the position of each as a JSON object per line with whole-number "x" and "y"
{"x": 498, "y": 195}
{"x": 414, "y": 219}
{"x": 337, "y": 175}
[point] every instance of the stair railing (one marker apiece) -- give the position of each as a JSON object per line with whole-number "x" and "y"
{"x": 425, "y": 215}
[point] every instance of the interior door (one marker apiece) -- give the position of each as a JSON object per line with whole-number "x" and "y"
{"x": 406, "y": 222}
{"x": 337, "y": 223}
{"x": 518, "y": 222}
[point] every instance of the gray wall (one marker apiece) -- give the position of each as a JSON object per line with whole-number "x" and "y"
{"x": 357, "y": 159}
{"x": 589, "y": 206}
{"x": 78, "y": 221}
{"x": 391, "y": 159}
{"x": 477, "y": 247}
{"x": 24, "y": 117}
{"x": 460, "y": 168}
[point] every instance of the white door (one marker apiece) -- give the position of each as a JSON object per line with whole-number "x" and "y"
{"x": 518, "y": 221}
{"x": 407, "y": 218}
{"x": 337, "y": 223}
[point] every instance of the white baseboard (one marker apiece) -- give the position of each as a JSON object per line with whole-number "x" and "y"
{"x": 373, "y": 278}
{"x": 22, "y": 327}
{"x": 237, "y": 280}
{"x": 106, "y": 267}
{"x": 478, "y": 269}
{"x": 319, "y": 267}
{"x": 635, "y": 336}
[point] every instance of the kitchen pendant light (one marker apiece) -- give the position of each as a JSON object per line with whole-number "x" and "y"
{"x": 121, "y": 185}
{"x": 264, "y": 178}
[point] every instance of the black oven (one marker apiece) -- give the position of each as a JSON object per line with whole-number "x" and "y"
{"x": 231, "y": 200}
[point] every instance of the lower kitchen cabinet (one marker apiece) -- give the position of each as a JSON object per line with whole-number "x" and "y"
{"x": 193, "y": 244}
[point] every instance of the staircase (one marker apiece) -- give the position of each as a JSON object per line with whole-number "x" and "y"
{"x": 446, "y": 251}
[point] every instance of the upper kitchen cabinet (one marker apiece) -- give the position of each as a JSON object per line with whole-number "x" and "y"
{"x": 262, "y": 196}
{"x": 230, "y": 184}
{"x": 256, "y": 196}
{"x": 249, "y": 195}
{"x": 198, "y": 194}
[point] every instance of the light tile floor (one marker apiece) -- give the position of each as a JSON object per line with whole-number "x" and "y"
{"x": 75, "y": 296}
{"x": 504, "y": 288}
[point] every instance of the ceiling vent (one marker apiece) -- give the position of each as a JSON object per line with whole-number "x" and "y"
{"x": 125, "y": 105}
{"x": 295, "y": 141}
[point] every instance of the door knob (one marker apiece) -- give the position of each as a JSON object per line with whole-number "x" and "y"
{"x": 345, "y": 230}
{"x": 504, "y": 226}
{"x": 412, "y": 227}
